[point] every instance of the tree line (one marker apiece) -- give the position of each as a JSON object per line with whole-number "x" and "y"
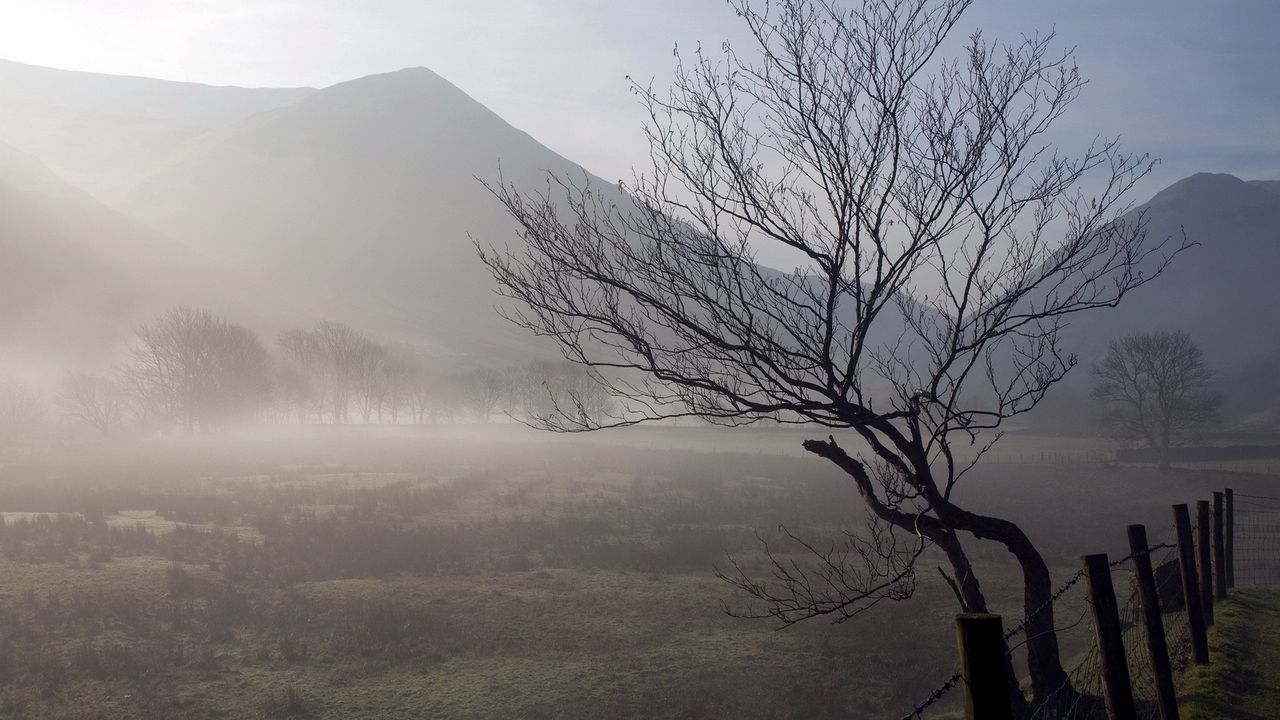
{"x": 190, "y": 370}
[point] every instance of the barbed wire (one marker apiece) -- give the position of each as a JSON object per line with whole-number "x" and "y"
{"x": 954, "y": 680}
{"x": 935, "y": 696}
{"x": 1079, "y": 697}
{"x": 1256, "y": 497}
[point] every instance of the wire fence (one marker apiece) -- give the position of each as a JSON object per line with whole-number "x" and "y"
{"x": 1256, "y": 542}
{"x": 1257, "y": 539}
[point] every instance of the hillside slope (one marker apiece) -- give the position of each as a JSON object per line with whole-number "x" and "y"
{"x": 77, "y": 277}
{"x": 359, "y": 201}
{"x": 104, "y": 132}
{"x": 1222, "y": 291}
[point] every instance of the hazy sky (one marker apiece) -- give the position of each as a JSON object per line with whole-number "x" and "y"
{"x": 1192, "y": 81}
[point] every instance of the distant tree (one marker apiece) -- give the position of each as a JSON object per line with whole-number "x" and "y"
{"x": 423, "y": 392}
{"x": 294, "y": 394}
{"x": 372, "y": 377}
{"x": 194, "y": 370}
{"x": 96, "y": 401}
{"x": 341, "y": 365}
{"x": 21, "y": 409}
{"x": 485, "y": 391}
{"x": 943, "y": 244}
{"x": 338, "y": 349}
{"x": 544, "y": 390}
{"x": 1156, "y": 388}
{"x": 534, "y": 389}
{"x": 400, "y": 378}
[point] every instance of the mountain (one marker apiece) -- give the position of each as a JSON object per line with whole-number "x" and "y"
{"x": 77, "y": 277}
{"x": 102, "y": 133}
{"x": 359, "y": 202}
{"x": 1268, "y": 185}
{"x": 1223, "y": 291}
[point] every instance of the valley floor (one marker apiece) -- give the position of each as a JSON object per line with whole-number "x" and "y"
{"x": 475, "y": 579}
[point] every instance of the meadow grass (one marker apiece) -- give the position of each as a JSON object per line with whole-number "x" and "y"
{"x": 1242, "y": 680}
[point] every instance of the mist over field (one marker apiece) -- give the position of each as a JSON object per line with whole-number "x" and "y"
{"x": 351, "y": 398}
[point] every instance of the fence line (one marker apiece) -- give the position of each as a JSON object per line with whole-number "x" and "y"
{"x": 1252, "y": 525}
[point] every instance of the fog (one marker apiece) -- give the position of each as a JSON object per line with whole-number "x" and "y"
{"x": 358, "y": 400}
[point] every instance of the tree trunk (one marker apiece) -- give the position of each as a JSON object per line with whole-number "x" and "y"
{"x": 969, "y": 593}
{"x": 1044, "y": 662}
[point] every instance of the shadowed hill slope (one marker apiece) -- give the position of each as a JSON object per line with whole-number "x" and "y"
{"x": 359, "y": 202}
{"x": 1223, "y": 292}
{"x": 76, "y": 277}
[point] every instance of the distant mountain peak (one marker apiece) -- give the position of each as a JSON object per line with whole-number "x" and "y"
{"x": 403, "y": 86}
{"x": 1215, "y": 190}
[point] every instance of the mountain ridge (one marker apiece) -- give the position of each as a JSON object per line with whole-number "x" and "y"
{"x": 357, "y": 202}
{"x": 100, "y": 132}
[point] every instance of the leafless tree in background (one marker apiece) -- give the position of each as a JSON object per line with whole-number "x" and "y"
{"x": 337, "y": 347}
{"x": 485, "y": 391}
{"x": 943, "y": 246}
{"x": 1155, "y": 388}
{"x": 334, "y": 357}
{"x": 333, "y": 367}
{"x": 96, "y": 401}
{"x": 546, "y": 390}
{"x": 369, "y": 366}
{"x": 425, "y": 393}
{"x": 21, "y": 410}
{"x": 194, "y": 370}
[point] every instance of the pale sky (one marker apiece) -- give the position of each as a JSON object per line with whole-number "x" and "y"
{"x": 1192, "y": 81}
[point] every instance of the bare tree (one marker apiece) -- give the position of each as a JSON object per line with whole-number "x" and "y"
{"x": 341, "y": 364}
{"x": 485, "y": 391}
{"x": 195, "y": 370}
{"x": 96, "y": 401}
{"x": 21, "y": 410}
{"x": 942, "y": 247}
{"x": 371, "y": 376}
{"x": 423, "y": 392}
{"x": 546, "y": 390}
{"x": 293, "y": 388}
{"x": 337, "y": 347}
{"x": 1155, "y": 387}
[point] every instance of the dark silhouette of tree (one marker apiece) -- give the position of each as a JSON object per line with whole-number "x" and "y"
{"x": 942, "y": 246}
{"x": 1155, "y": 388}
{"x": 97, "y": 401}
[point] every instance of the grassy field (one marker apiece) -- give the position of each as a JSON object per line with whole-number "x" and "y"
{"x": 493, "y": 575}
{"x": 1242, "y": 681}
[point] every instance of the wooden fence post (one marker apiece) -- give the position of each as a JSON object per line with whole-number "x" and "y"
{"x": 1117, "y": 688}
{"x": 983, "y": 670}
{"x": 1190, "y": 586}
{"x": 1219, "y": 551}
{"x": 1206, "y": 564}
{"x": 1231, "y": 538}
{"x": 1153, "y": 623}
